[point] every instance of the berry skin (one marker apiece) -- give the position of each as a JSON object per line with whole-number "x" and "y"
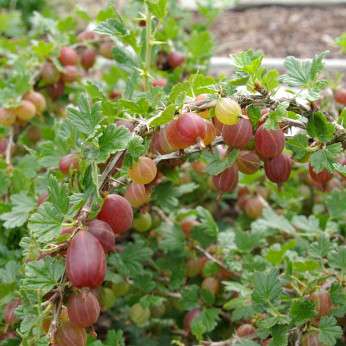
{"x": 191, "y": 128}
{"x": 254, "y": 208}
{"x": 125, "y": 123}
{"x": 106, "y": 50}
{"x": 83, "y": 309}
{"x": 193, "y": 267}
{"x": 42, "y": 198}
{"x": 9, "y": 315}
{"x": 322, "y": 177}
{"x": 210, "y": 133}
{"x": 85, "y": 261}
{"x": 227, "y": 111}
{"x": 311, "y": 339}
{"x": 204, "y": 114}
{"x": 211, "y": 284}
{"x": 26, "y": 111}
{"x": 340, "y": 96}
{"x": 137, "y": 194}
{"x": 190, "y": 316}
{"x": 68, "y": 334}
{"x": 67, "y": 161}
{"x": 88, "y": 58}
{"x": 7, "y": 116}
{"x": 34, "y": 134}
{"x": 322, "y": 301}
{"x": 117, "y": 212}
{"x": 56, "y": 90}
{"x": 143, "y": 172}
{"x": 139, "y": 315}
{"x": 120, "y": 289}
{"x": 176, "y": 59}
{"x": 103, "y": 232}
{"x": 162, "y": 82}
{"x": 227, "y": 180}
{"x": 71, "y": 74}
{"x": 37, "y": 99}
{"x": 269, "y": 143}
{"x": 85, "y": 35}
{"x": 142, "y": 223}
{"x": 239, "y": 135}
{"x": 248, "y": 162}
{"x": 173, "y": 138}
{"x": 278, "y": 169}
{"x": 245, "y": 330}
{"x": 187, "y": 225}
{"x": 68, "y": 56}
{"x": 49, "y": 73}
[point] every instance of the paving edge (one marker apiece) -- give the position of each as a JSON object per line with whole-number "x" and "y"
{"x": 244, "y": 4}
{"x": 223, "y": 64}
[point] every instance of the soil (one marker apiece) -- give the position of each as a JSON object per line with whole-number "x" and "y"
{"x": 281, "y": 31}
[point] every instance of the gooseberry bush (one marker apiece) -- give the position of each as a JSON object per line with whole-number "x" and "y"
{"x": 144, "y": 202}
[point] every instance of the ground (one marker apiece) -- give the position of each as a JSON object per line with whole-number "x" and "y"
{"x": 281, "y": 31}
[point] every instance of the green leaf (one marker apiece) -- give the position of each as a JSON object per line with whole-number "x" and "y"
{"x": 113, "y": 139}
{"x": 246, "y": 241}
{"x": 5, "y": 182}
{"x": 200, "y": 44}
{"x": 254, "y": 115}
{"x": 206, "y": 233}
{"x": 144, "y": 282}
{"x": 210, "y": 268}
{"x": 205, "y": 322}
{"x": 165, "y": 117}
{"x": 67, "y": 24}
{"x": 43, "y": 274}
{"x": 131, "y": 82}
{"x": 10, "y": 272}
{"x": 217, "y": 164}
{"x": 301, "y": 73}
{"x": 318, "y": 127}
{"x": 42, "y": 48}
{"x": 277, "y": 256}
{"x": 158, "y": 9}
{"x": 248, "y": 61}
{"x": 276, "y": 116}
{"x": 325, "y": 158}
{"x": 86, "y": 118}
{"x": 337, "y": 258}
{"x": 301, "y": 311}
{"x": 173, "y": 238}
{"x": 135, "y": 147}
{"x": 246, "y": 342}
{"x": 189, "y": 297}
{"x": 336, "y": 294}
{"x": 269, "y": 81}
{"x": 45, "y": 224}
{"x": 29, "y": 165}
{"x": 267, "y": 288}
{"x": 306, "y": 266}
{"x": 320, "y": 248}
{"x": 58, "y": 195}
{"x": 336, "y": 202}
{"x": 110, "y": 27}
{"x": 22, "y": 205}
{"x": 279, "y": 335}
{"x": 329, "y": 331}
{"x": 131, "y": 258}
{"x": 271, "y": 220}
{"x": 340, "y": 168}
{"x": 114, "y": 338}
{"x": 126, "y": 56}
{"x": 308, "y": 224}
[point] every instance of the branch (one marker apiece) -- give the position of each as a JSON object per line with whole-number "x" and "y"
{"x": 266, "y": 101}
{"x": 9, "y": 146}
{"x": 215, "y": 260}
